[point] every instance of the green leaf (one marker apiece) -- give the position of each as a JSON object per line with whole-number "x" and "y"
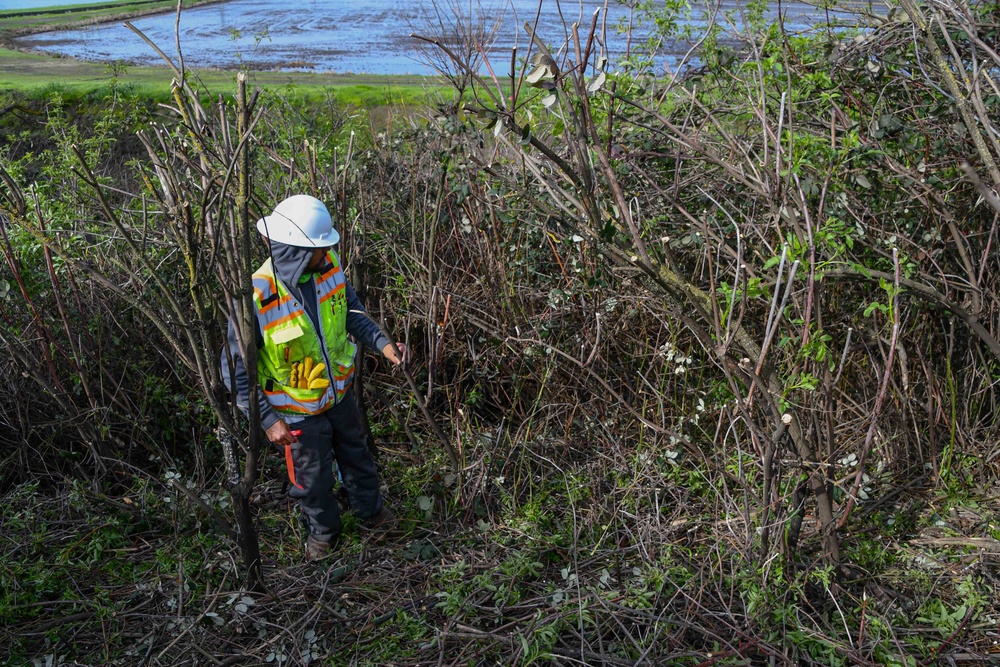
{"x": 872, "y": 307}
{"x": 596, "y": 83}
{"x": 862, "y": 270}
{"x": 526, "y": 135}
{"x": 863, "y": 181}
{"x": 535, "y": 75}
{"x": 544, "y": 72}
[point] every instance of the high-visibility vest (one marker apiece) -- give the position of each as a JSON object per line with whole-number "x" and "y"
{"x": 290, "y": 337}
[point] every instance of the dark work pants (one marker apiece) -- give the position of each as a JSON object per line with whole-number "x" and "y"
{"x": 339, "y": 432}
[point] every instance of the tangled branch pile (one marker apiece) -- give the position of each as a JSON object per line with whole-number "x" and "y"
{"x": 717, "y": 352}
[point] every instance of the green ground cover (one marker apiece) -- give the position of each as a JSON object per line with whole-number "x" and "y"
{"x": 33, "y": 72}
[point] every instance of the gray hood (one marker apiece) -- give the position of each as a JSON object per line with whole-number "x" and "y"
{"x": 290, "y": 262}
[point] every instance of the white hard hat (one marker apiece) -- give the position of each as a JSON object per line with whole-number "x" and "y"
{"x": 301, "y": 221}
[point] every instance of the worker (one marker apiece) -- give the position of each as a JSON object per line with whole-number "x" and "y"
{"x": 305, "y": 366}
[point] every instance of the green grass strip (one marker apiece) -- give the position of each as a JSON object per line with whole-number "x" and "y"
{"x": 33, "y": 72}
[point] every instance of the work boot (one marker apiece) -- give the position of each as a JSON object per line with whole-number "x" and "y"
{"x": 382, "y": 520}
{"x": 316, "y": 549}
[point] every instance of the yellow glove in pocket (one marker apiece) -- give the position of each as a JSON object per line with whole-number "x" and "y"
{"x": 306, "y": 375}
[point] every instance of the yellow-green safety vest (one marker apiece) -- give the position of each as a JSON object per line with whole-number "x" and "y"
{"x": 290, "y": 337}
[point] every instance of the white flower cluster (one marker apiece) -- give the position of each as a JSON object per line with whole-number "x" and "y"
{"x": 672, "y": 355}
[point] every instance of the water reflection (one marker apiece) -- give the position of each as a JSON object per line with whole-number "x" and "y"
{"x": 369, "y": 36}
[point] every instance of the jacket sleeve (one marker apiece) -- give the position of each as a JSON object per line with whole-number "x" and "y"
{"x": 360, "y": 325}
{"x": 268, "y": 417}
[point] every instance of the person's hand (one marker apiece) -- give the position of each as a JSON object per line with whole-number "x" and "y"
{"x": 389, "y": 353}
{"x": 279, "y": 434}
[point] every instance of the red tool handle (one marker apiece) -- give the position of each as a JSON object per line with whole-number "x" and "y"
{"x": 289, "y": 463}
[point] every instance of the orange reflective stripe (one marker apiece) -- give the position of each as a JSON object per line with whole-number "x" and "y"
{"x": 292, "y": 407}
{"x": 274, "y": 304}
{"x": 278, "y": 310}
{"x": 268, "y": 319}
{"x": 281, "y": 320}
{"x": 282, "y": 400}
{"x": 291, "y": 467}
{"x": 332, "y": 292}
{"x": 267, "y": 279}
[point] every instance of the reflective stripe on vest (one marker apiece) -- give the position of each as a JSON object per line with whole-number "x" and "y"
{"x": 290, "y": 337}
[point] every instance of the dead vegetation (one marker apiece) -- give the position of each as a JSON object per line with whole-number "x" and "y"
{"x": 716, "y": 354}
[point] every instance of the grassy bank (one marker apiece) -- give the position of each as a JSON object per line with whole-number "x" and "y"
{"x": 33, "y": 72}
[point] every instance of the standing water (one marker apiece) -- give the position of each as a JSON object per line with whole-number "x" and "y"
{"x": 359, "y": 36}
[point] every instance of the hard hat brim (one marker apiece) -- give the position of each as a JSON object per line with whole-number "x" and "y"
{"x": 276, "y": 228}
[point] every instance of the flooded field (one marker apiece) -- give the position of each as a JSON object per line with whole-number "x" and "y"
{"x": 359, "y": 36}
